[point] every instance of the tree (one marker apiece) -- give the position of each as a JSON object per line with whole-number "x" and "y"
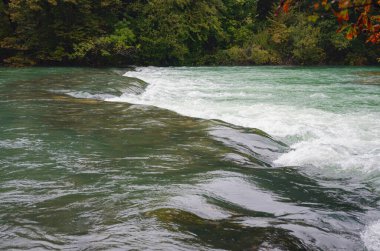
{"x": 355, "y": 17}
{"x": 264, "y": 7}
{"x": 176, "y": 32}
{"x": 59, "y": 31}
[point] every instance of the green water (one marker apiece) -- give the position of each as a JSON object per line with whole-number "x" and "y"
{"x": 88, "y": 174}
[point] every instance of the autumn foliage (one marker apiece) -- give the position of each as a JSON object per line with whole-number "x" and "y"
{"x": 354, "y": 16}
{"x": 188, "y": 32}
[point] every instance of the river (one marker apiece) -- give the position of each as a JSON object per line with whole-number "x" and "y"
{"x": 190, "y": 158}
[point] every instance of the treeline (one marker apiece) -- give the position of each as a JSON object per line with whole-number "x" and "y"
{"x": 171, "y": 32}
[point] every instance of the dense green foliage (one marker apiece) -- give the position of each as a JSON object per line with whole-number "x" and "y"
{"x": 171, "y": 32}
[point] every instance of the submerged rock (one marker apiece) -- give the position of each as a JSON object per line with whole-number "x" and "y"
{"x": 227, "y": 234}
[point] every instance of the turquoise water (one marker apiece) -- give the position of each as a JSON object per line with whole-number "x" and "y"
{"x": 206, "y": 158}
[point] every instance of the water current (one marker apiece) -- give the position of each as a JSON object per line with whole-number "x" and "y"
{"x": 207, "y": 158}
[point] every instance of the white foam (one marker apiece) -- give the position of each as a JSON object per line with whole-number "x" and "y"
{"x": 371, "y": 237}
{"x": 333, "y": 134}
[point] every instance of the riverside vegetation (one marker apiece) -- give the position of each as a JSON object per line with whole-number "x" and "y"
{"x": 172, "y": 32}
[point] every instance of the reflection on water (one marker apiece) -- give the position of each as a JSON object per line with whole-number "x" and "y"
{"x": 88, "y": 174}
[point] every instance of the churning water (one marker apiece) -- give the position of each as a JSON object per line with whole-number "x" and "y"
{"x": 189, "y": 158}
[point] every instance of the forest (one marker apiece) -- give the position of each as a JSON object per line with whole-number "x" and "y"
{"x": 173, "y": 33}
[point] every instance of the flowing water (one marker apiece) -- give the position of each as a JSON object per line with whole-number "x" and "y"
{"x": 210, "y": 158}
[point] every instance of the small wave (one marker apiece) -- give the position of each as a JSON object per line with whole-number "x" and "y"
{"x": 318, "y": 95}
{"x": 253, "y": 146}
{"x": 19, "y": 143}
{"x": 135, "y": 86}
{"x": 371, "y": 236}
{"x": 102, "y": 86}
{"x": 87, "y": 95}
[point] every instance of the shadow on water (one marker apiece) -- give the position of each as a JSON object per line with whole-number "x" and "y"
{"x": 81, "y": 173}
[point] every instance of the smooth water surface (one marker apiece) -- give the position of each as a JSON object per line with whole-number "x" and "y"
{"x": 224, "y": 158}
